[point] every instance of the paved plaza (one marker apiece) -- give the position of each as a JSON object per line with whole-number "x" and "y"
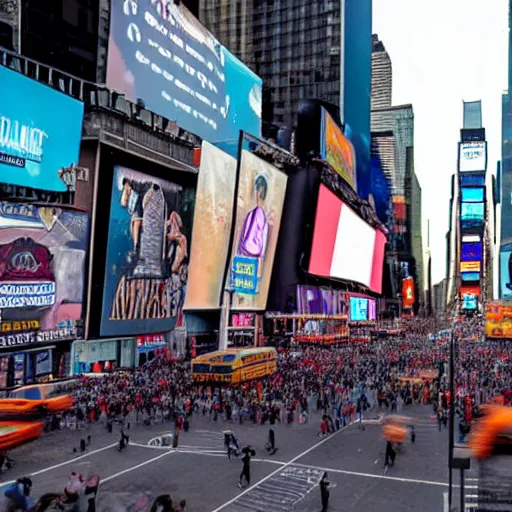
{"x": 200, "y": 472}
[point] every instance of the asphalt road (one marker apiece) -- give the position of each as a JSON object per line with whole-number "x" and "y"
{"x": 200, "y": 472}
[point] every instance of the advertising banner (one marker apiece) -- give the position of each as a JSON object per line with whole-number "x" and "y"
{"x": 160, "y": 53}
{"x": 498, "y": 320}
{"x": 472, "y": 156}
{"x": 469, "y": 301}
{"x": 40, "y": 132}
{"x": 471, "y": 251}
{"x": 470, "y": 266}
{"x": 312, "y": 299}
{"x": 344, "y": 245}
{"x": 359, "y": 309}
{"x": 408, "y": 297}
{"x": 470, "y": 276}
{"x": 472, "y": 213}
{"x": 506, "y": 272}
{"x": 213, "y": 218}
{"x": 470, "y": 290}
{"x": 147, "y": 254}
{"x": 261, "y": 193}
{"x": 42, "y": 260}
{"x": 472, "y": 194}
{"x": 337, "y": 150}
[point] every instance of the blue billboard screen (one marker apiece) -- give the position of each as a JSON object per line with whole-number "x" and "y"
{"x": 472, "y": 214}
{"x": 469, "y": 302}
{"x": 40, "y": 132}
{"x": 470, "y": 276}
{"x": 472, "y": 195}
{"x": 471, "y": 252}
{"x": 472, "y": 180}
{"x": 358, "y": 309}
{"x": 160, "y": 53}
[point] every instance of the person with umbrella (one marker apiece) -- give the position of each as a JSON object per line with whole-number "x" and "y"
{"x": 246, "y": 468}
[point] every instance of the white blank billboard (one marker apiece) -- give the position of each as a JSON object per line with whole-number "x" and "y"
{"x": 472, "y": 157}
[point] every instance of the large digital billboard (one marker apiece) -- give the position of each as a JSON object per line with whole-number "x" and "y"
{"x": 146, "y": 268}
{"x": 160, "y": 53}
{"x": 472, "y": 194}
{"x": 506, "y": 272}
{"x": 213, "y": 218}
{"x": 43, "y": 251}
{"x": 472, "y": 156}
{"x": 344, "y": 245}
{"x": 468, "y": 277}
{"x": 358, "y": 309}
{"x": 498, "y": 320}
{"x": 259, "y": 208}
{"x": 408, "y": 296}
{"x": 40, "y": 132}
{"x": 471, "y": 251}
{"x": 472, "y": 180}
{"x": 470, "y": 266}
{"x": 472, "y": 214}
{"x": 337, "y": 150}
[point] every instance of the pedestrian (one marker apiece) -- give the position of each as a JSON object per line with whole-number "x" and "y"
{"x": 246, "y": 467}
{"x": 390, "y": 455}
{"x": 324, "y": 491}
{"x": 271, "y": 444}
{"x": 413, "y": 435}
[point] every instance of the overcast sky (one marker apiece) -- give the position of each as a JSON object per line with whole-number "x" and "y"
{"x": 444, "y": 52}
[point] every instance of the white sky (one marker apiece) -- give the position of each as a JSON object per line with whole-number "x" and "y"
{"x": 444, "y": 52}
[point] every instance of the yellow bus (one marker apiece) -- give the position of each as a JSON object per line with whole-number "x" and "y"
{"x": 233, "y": 366}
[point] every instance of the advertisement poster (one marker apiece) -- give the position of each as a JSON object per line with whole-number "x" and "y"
{"x": 470, "y": 266}
{"x": 312, "y": 299}
{"x": 213, "y": 218}
{"x": 472, "y": 156}
{"x": 147, "y": 254}
{"x": 261, "y": 193}
{"x": 471, "y": 251}
{"x": 42, "y": 260}
{"x": 40, "y": 132}
{"x": 498, "y": 320}
{"x": 160, "y": 53}
{"x": 337, "y": 150}
{"x": 472, "y": 195}
{"x": 506, "y": 273}
{"x": 358, "y": 309}
{"x": 408, "y": 297}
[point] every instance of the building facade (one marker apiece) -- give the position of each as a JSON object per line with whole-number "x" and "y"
{"x": 382, "y": 75}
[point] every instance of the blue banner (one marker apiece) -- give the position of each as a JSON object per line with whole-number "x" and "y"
{"x": 160, "y": 53}
{"x": 244, "y": 276}
{"x": 40, "y": 131}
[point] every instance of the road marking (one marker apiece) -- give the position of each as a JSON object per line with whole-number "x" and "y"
{"x": 133, "y": 468}
{"x": 445, "y": 502}
{"x": 257, "y": 484}
{"x": 65, "y": 463}
{"x": 372, "y": 475}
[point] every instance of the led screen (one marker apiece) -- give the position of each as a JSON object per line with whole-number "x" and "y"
{"x": 372, "y": 309}
{"x": 160, "y": 53}
{"x": 475, "y": 180}
{"x": 146, "y": 267}
{"x": 472, "y": 214}
{"x": 470, "y": 276}
{"x": 471, "y": 238}
{"x": 472, "y": 156}
{"x": 469, "y": 302}
{"x": 40, "y": 131}
{"x": 358, "y": 309}
{"x": 344, "y": 245}
{"x": 259, "y": 208}
{"x": 471, "y": 252}
{"x": 472, "y": 195}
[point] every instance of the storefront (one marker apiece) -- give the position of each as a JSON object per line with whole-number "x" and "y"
{"x": 98, "y": 356}
{"x": 32, "y": 356}
{"x": 245, "y": 330}
{"x": 149, "y": 347}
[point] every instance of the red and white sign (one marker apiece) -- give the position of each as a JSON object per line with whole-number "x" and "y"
{"x": 151, "y": 340}
{"x": 344, "y": 245}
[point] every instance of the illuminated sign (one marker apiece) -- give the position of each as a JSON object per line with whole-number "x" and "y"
{"x": 472, "y": 156}
{"x": 471, "y": 238}
{"x": 20, "y": 326}
{"x": 470, "y": 266}
{"x": 151, "y": 341}
{"x": 22, "y": 295}
{"x": 27, "y": 338}
{"x": 245, "y": 275}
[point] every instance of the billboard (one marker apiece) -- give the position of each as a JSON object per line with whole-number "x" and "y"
{"x": 40, "y": 132}
{"x": 408, "y": 297}
{"x": 471, "y": 251}
{"x": 213, "y": 218}
{"x": 344, "y": 245}
{"x": 359, "y": 309}
{"x": 160, "y": 53}
{"x": 312, "y": 299}
{"x": 498, "y": 320}
{"x": 472, "y": 180}
{"x": 470, "y": 266}
{"x": 42, "y": 259}
{"x": 470, "y": 276}
{"x": 506, "y": 272}
{"x": 472, "y": 194}
{"x": 337, "y": 150}
{"x": 472, "y": 215}
{"x": 146, "y": 268}
{"x": 471, "y": 238}
{"x": 469, "y": 301}
{"x": 259, "y": 208}
{"x": 472, "y": 156}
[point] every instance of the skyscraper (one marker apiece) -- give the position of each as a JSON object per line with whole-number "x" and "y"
{"x": 382, "y": 75}
{"x": 293, "y": 45}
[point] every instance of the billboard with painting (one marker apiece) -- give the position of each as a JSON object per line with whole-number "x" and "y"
{"x": 43, "y": 250}
{"x": 259, "y": 208}
{"x": 146, "y": 268}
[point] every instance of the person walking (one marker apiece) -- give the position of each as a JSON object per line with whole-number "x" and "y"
{"x": 413, "y": 435}
{"x": 390, "y": 455}
{"x": 246, "y": 468}
{"x": 324, "y": 491}
{"x": 271, "y": 444}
